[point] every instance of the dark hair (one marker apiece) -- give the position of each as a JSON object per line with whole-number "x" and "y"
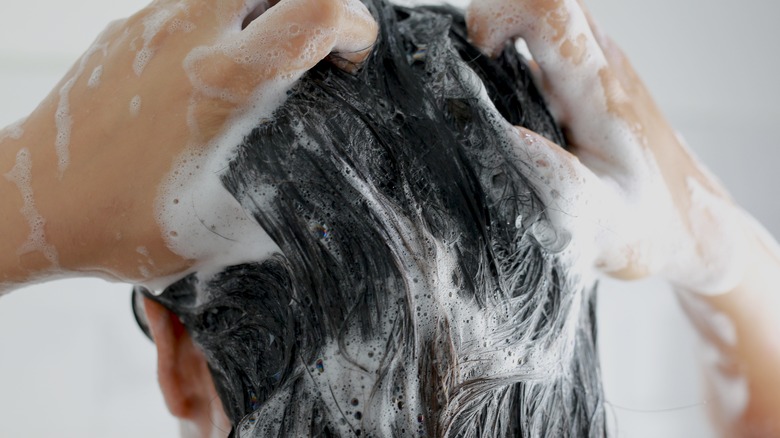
{"x": 417, "y": 291}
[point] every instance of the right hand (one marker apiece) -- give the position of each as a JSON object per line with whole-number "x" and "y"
{"x": 634, "y": 199}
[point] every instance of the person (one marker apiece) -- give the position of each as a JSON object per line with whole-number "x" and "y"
{"x": 417, "y": 287}
{"x": 640, "y": 167}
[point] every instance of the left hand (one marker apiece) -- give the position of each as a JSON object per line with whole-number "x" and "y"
{"x": 156, "y": 90}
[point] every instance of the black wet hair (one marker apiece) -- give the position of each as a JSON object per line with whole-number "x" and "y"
{"x": 413, "y": 295}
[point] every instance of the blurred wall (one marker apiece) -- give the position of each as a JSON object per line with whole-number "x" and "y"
{"x": 73, "y": 364}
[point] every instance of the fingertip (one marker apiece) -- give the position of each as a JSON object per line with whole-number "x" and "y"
{"x": 357, "y": 37}
{"x": 349, "y": 62}
{"x": 478, "y": 28}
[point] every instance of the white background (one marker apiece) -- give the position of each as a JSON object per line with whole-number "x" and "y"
{"x": 73, "y": 364}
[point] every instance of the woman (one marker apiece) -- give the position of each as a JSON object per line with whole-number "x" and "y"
{"x": 577, "y": 52}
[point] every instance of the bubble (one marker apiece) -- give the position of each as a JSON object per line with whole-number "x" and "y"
{"x": 21, "y": 176}
{"x": 519, "y": 222}
{"x": 153, "y": 24}
{"x": 94, "y": 78}
{"x": 135, "y": 106}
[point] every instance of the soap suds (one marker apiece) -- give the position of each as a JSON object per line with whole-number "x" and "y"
{"x": 379, "y": 379}
{"x": 143, "y": 251}
{"x": 153, "y": 24}
{"x": 198, "y": 218}
{"x": 728, "y": 382}
{"x": 94, "y": 78}
{"x": 62, "y": 117}
{"x": 21, "y": 175}
{"x": 14, "y": 131}
{"x": 145, "y": 264}
{"x": 615, "y": 165}
{"x": 181, "y": 25}
{"x": 135, "y": 106}
{"x": 719, "y": 259}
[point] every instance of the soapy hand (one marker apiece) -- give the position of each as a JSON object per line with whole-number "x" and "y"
{"x": 158, "y": 85}
{"x": 630, "y": 194}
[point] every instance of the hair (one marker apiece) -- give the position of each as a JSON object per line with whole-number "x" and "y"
{"x": 416, "y": 291}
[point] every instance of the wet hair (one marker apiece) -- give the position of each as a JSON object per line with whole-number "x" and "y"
{"x": 418, "y": 291}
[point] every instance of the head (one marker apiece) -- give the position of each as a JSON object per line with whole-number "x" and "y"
{"x": 418, "y": 288}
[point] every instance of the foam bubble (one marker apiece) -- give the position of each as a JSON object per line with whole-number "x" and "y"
{"x": 94, "y": 78}
{"x": 206, "y": 223}
{"x": 21, "y": 175}
{"x": 64, "y": 122}
{"x": 198, "y": 217}
{"x": 14, "y": 131}
{"x": 143, "y": 251}
{"x": 135, "y": 106}
{"x": 152, "y": 26}
{"x": 181, "y": 25}
{"x": 62, "y": 117}
{"x": 713, "y": 265}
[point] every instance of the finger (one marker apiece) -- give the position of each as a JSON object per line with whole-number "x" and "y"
{"x": 556, "y": 173}
{"x": 308, "y": 30}
{"x": 579, "y": 78}
{"x": 575, "y": 200}
{"x": 282, "y": 43}
{"x": 617, "y": 60}
{"x": 558, "y": 176}
{"x": 234, "y": 15}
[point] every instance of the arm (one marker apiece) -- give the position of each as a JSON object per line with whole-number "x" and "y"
{"x": 637, "y": 203}
{"x": 742, "y": 348}
{"x": 12, "y": 221}
{"x": 81, "y": 179}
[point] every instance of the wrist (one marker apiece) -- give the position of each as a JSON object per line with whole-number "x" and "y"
{"x": 712, "y": 253}
{"x": 738, "y": 331}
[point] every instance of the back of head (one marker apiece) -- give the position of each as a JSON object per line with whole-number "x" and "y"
{"x": 417, "y": 291}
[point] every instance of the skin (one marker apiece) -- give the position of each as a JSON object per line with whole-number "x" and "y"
{"x": 630, "y": 163}
{"x": 625, "y": 155}
{"x": 184, "y": 376}
{"x": 97, "y": 213}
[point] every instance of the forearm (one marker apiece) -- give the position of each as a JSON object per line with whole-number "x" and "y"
{"x": 740, "y": 331}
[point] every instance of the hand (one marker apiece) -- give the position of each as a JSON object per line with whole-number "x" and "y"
{"x": 630, "y": 194}
{"x": 102, "y": 150}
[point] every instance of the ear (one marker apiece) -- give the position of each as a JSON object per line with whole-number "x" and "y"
{"x": 183, "y": 373}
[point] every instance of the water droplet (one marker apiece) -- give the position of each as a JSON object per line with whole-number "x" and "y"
{"x": 321, "y": 231}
